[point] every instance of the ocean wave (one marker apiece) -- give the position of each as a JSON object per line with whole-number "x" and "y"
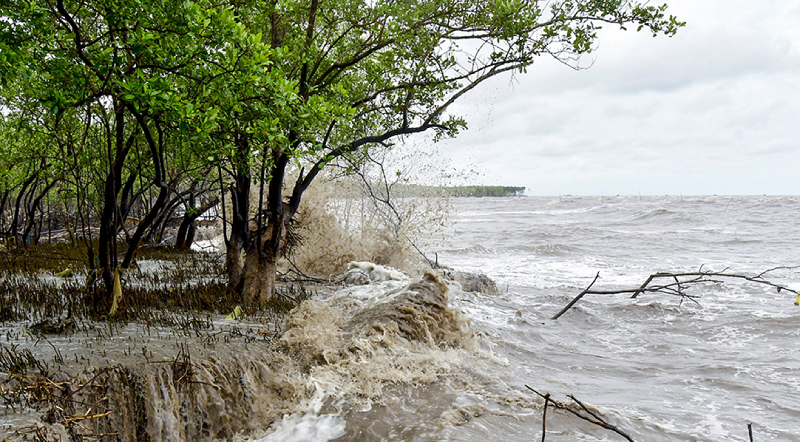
{"x": 660, "y": 212}
{"x": 473, "y": 249}
{"x": 549, "y": 249}
{"x": 736, "y": 346}
{"x": 545, "y": 249}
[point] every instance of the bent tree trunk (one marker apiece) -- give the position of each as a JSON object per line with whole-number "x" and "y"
{"x": 31, "y": 214}
{"x": 188, "y": 227}
{"x": 15, "y": 221}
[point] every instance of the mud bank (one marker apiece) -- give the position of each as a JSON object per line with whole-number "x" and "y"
{"x": 135, "y": 383}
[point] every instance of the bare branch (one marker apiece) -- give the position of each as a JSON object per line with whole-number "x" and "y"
{"x": 577, "y": 298}
{"x": 678, "y": 286}
{"x": 581, "y": 411}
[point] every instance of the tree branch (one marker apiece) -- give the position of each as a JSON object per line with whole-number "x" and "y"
{"x": 589, "y": 416}
{"x": 678, "y": 286}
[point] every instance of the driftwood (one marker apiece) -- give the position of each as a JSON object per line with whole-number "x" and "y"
{"x": 678, "y": 283}
{"x": 578, "y": 409}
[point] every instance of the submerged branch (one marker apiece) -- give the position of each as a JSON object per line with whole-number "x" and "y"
{"x": 679, "y": 284}
{"x": 577, "y": 298}
{"x": 581, "y": 411}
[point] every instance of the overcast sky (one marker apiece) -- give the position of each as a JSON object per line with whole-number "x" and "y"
{"x": 713, "y": 110}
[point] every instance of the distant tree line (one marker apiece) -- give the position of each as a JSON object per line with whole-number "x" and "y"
{"x": 485, "y": 191}
{"x": 459, "y": 191}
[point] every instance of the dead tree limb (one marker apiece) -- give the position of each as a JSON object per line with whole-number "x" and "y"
{"x": 577, "y": 298}
{"x": 680, "y": 282}
{"x": 581, "y": 411}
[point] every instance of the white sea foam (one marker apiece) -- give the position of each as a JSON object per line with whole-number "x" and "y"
{"x": 363, "y": 272}
{"x": 311, "y": 425}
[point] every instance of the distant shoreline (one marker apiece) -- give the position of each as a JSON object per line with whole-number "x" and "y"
{"x": 462, "y": 191}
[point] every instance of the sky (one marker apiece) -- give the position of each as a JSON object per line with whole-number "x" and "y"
{"x": 712, "y": 110}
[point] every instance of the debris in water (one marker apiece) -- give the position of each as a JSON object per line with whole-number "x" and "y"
{"x": 66, "y": 273}
{"x": 235, "y": 314}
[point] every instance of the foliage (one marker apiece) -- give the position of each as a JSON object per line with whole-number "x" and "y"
{"x": 119, "y": 111}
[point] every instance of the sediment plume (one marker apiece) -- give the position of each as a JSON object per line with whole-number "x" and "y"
{"x": 146, "y": 398}
{"x": 213, "y": 400}
{"x": 419, "y": 313}
{"x": 469, "y": 281}
{"x": 404, "y": 332}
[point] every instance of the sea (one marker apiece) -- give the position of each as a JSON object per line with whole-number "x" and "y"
{"x": 719, "y": 364}
{"x": 419, "y": 356}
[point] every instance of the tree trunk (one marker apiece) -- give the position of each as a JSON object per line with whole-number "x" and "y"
{"x": 188, "y": 227}
{"x": 3, "y": 209}
{"x": 186, "y": 230}
{"x": 106, "y": 252}
{"x": 185, "y": 233}
{"x": 258, "y": 285}
{"x": 191, "y": 231}
{"x": 233, "y": 261}
{"x": 157, "y": 157}
{"x": 31, "y": 215}
{"x": 15, "y": 221}
{"x": 240, "y": 222}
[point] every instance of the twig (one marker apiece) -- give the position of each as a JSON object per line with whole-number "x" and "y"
{"x": 89, "y": 382}
{"x": 701, "y": 275}
{"x": 544, "y": 416}
{"x": 599, "y": 421}
{"x": 82, "y": 417}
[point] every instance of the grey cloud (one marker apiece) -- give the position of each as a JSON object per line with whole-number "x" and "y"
{"x": 690, "y": 115}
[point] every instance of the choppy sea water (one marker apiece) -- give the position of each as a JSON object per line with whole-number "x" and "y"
{"x": 659, "y": 368}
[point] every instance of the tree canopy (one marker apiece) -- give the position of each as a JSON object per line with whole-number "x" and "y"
{"x": 121, "y": 106}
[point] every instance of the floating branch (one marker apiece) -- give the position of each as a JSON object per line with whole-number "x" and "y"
{"x": 580, "y": 410}
{"x": 680, "y": 282}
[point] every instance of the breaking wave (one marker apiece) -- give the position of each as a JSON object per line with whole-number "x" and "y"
{"x": 361, "y": 340}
